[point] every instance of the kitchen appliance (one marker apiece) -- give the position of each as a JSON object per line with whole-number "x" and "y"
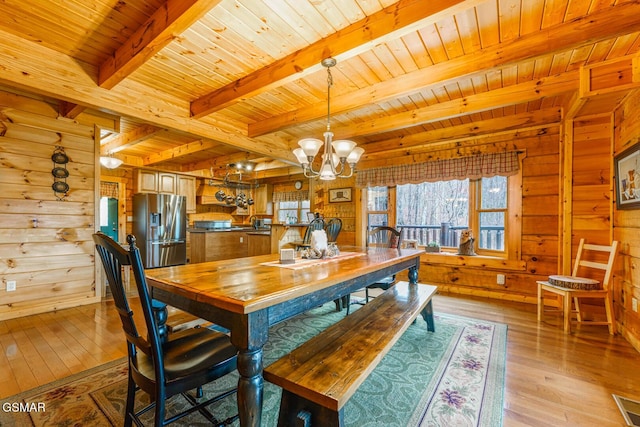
{"x": 213, "y": 225}
{"x": 160, "y": 227}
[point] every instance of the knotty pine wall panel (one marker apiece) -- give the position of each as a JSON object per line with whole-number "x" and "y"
{"x": 45, "y": 243}
{"x": 626, "y": 229}
{"x": 591, "y": 181}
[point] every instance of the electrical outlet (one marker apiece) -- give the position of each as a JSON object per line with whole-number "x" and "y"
{"x": 500, "y": 279}
{"x": 11, "y": 285}
{"x": 634, "y": 304}
{"x": 242, "y": 240}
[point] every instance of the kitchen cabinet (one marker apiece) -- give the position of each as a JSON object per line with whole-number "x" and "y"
{"x": 258, "y": 244}
{"x": 150, "y": 181}
{"x": 146, "y": 181}
{"x": 167, "y": 183}
{"x": 187, "y": 188}
{"x": 263, "y": 200}
{"x": 217, "y": 245}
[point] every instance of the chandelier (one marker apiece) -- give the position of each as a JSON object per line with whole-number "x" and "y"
{"x": 337, "y": 154}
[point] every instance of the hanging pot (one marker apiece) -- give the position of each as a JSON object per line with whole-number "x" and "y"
{"x": 220, "y": 196}
{"x": 229, "y": 199}
{"x": 250, "y": 202}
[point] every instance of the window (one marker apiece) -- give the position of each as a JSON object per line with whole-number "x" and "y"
{"x": 440, "y": 211}
{"x": 377, "y": 207}
{"x": 293, "y": 212}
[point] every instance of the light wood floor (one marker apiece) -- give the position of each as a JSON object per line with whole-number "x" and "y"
{"x": 552, "y": 379}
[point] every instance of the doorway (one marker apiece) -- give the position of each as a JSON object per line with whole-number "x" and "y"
{"x": 109, "y": 217}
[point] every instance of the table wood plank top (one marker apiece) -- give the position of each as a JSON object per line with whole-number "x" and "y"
{"x": 243, "y": 285}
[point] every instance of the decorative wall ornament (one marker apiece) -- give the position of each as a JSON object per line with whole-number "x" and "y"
{"x": 466, "y": 243}
{"x": 60, "y": 173}
{"x": 627, "y": 174}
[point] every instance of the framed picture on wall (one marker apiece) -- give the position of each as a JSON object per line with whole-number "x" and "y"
{"x": 339, "y": 195}
{"x": 627, "y": 172}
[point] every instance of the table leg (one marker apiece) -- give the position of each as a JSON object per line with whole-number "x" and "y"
{"x": 413, "y": 274}
{"x": 250, "y": 387}
{"x": 427, "y": 315}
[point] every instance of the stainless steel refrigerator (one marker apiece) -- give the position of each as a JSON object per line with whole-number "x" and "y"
{"x": 160, "y": 227}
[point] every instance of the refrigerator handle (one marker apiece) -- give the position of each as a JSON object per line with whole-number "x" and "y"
{"x": 154, "y": 219}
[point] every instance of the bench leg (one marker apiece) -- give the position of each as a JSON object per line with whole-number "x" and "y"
{"x": 296, "y": 411}
{"x": 427, "y": 315}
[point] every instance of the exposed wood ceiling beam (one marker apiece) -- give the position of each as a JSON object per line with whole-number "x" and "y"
{"x": 69, "y": 110}
{"x": 170, "y": 20}
{"x": 520, "y": 93}
{"x": 180, "y": 151}
{"x": 129, "y": 139}
{"x": 220, "y": 162}
{"x": 510, "y": 95}
{"x": 499, "y": 141}
{"x": 392, "y": 22}
{"x": 429, "y": 139}
{"x": 605, "y": 24}
{"x": 37, "y": 69}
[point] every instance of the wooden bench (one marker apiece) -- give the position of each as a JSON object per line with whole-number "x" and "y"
{"x": 320, "y": 376}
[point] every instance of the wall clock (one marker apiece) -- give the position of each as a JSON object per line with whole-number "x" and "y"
{"x": 297, "y": 185}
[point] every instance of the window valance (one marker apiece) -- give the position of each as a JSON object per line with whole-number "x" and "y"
{"x": 290, "y": 196}
{"x": 473, "y": 167}
{"x": 109, "y": 189}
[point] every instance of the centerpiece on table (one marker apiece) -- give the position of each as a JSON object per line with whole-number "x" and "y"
{"x": 320, "y": 248}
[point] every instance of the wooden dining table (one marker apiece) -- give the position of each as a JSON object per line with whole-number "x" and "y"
{"x": 248, "y": 295}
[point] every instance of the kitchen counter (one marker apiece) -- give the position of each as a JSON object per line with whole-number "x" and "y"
{"x": 224, "y": 230}
{"x": 259, "y": 232}
{"x": 214, "y": 244}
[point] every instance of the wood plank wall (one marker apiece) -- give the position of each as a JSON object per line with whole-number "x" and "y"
{"x": 45, "y": 243}
{"x": 591, "y": 177}
{"x": 626, "y": 229}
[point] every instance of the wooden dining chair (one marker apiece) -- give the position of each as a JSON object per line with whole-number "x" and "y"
{"x": 162, "y": 367}
{"x": 583, "y": 283}
{"x": 334, "y": 225}
{"x": 380, "y": 237}
{"x": 316, "y": 224}
{"x": 383, "y": 237}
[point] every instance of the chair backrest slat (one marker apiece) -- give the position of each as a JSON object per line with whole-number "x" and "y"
{"x": 334, "y": 225}
{"x": 606, "y": 253}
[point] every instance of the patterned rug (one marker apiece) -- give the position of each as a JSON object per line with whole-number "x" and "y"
{"x": 453, "y": 377}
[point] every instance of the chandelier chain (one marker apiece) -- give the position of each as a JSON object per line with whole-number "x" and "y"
{"x": 329, "y": 84}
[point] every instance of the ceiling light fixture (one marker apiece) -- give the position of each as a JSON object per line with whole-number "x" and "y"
{"x": 110, "y": 162}
{"x": 337, "y": 154}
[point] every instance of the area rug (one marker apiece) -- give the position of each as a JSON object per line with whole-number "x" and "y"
{"x": 453, "y": 377}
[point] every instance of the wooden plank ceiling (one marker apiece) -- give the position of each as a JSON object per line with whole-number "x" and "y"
{"x": 201, "y": 83}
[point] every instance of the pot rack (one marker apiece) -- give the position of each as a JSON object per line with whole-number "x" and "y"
{"x": 227, "y": 182}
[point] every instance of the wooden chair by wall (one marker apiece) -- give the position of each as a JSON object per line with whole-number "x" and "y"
{"x": 582, "y": 277}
